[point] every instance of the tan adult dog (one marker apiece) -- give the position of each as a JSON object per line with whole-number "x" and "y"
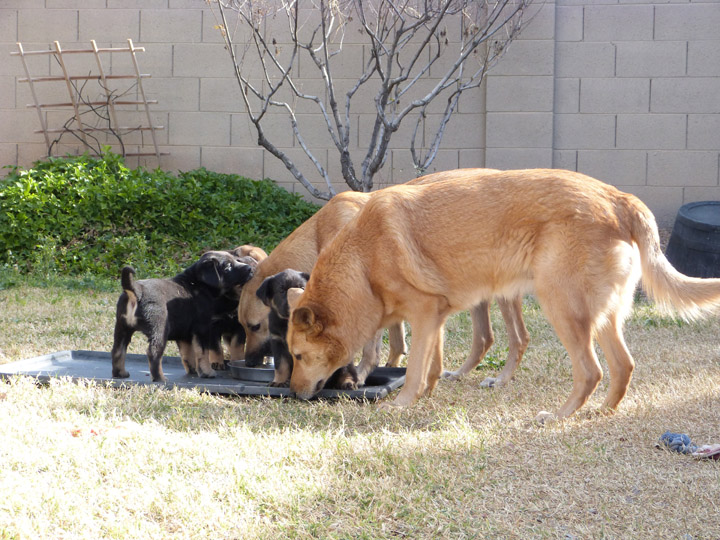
{"x": 420, "y": 253}
{"x": 300, "y": 250}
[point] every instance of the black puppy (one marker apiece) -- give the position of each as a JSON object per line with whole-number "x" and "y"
{"x": 179, "y": 309}
{"x": 273, "y": 293}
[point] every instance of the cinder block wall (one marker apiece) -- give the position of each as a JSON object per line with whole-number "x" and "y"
{"x": 624, "y": 90}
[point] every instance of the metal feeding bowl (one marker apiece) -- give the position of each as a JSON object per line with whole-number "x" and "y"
{"x": 263, "y": 373}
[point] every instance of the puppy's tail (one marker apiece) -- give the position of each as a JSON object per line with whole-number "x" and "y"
{"x": 127, "y": 279}
{"x": 691, "y": 297}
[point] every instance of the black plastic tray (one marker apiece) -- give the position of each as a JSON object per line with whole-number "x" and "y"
{"x": 96, "y": 365}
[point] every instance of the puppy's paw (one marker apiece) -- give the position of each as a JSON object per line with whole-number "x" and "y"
{"x": 120, "y": 374}
{"x": 218, "y": 366}
{"x": 545, "y": 417}
{"x": 281, "y": 384}
{"x": 208, "y": 374}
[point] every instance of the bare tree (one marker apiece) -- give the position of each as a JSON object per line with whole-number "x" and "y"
{"x": 404, "y": 41}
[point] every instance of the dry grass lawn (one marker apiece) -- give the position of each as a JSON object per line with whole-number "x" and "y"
{"x": 85, "y": 461}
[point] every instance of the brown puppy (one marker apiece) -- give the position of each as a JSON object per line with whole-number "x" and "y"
{"x": 420, "y": 253}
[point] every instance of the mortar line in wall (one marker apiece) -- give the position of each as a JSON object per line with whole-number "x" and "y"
{"x": 77, "y": 15}
{"x": 687, "y": 57}
{"x": 647, "y": 167}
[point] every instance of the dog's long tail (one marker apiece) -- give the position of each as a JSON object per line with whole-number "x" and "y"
{"x": 691, "y": 297}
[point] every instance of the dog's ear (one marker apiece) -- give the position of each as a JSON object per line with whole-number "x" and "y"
{"x": 265, "y": 291}
{"x": 207, "y": 271}
{"x": 293, "y": 296}
{"x": 306, "y": 320}
{"x": 305, "y": 276}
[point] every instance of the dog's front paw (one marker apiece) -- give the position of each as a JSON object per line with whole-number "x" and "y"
{"x": 208, "y": 374}
{"x": 451, "y": 375}
{"x": 491, "y": 382}
{"x": 218, "y": 366}
{"x": 120, "y": 374}
{"x": 281, "y": 384}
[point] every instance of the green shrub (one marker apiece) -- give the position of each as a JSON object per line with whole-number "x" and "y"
{"x": 86, "y": 215}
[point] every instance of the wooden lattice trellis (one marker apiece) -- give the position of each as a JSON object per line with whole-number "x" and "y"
{"x": 80, "y": 129}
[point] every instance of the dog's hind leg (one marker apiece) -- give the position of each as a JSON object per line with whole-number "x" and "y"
{"x": 567, "y": 310}
{"x": 481, "y": 341}
{"x": 518, "y": 339}
{"x": 396, "y": 337}
{"x": 620, "y": 362}
{"x": 156, "y": 348}
{"x": 121, "y": 340}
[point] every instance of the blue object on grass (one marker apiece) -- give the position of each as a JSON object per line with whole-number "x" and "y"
{"x": 678, "y": 442}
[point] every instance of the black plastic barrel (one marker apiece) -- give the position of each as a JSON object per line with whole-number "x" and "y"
{"x": 694, "y": 245}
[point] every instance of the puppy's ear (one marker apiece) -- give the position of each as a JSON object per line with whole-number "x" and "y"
{"x": 246, "y": 273}
{"x": 305, "y": 276}
{"x": 265, "y": 291}
{"x": 207, "y": 271}
{"x": 293, "y": 296}
{"x": 306, "y": 321}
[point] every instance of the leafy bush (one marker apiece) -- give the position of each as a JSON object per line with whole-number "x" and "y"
{"x": 86, "y": 215}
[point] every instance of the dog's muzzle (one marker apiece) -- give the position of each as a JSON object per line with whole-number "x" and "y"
{"x": 257, "y": 357}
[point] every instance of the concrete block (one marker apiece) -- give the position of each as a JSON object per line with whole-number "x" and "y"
{"x": 404, "y": 170}
{"x": 682, "y": 168}
{"x": 173, "y": 94}
{"x": 202, "y": 129}
{"x": 462, "y": 131}
{"x": 704, "y": 58}
{"x": 663, "y": 202}
{"x": 242, "y": 131}
{"x": 617, "y": 167}
{"x": 401, "y": 138}
{"x": 651, "y": 58}
{"x": 218, "y": 95}
{"x": 584, "y": 131}
{"x": 567, "y": 96}
{"x": 582, "y": 2}
{"x": 520, "y": 94}
{"x": 691, "y": 94}
{"x": 210, "y": 19}
{"x": 29, "y": 153}
{"x": 184, "y": 4}
{"x": 180, "y": 158}
{"x": 18, "y": 126}
{"x": 138, "y": 4}
{"x": 614, "y": 95}
{"x": 584, "y": 59}
{"x": 172, "y": 26}
{"x": 473, "y": 100}
{"x": 526, "y": 57}
{"x": 539, "y": 20}
{"x": 565, "y": 159}
{"x": 471, "y": 158}
{"x": 651, "y": 131}
{"x": 247, "y": 162}
{"x": 703, "y": 132}
{"x": 25, "y": 4}
{"x": 518, "y": 158}
{"x": 201, "y": 60}
{"x": 45, "y": 26}
{"x": 79, "y": 4}
{"x": 519, "y": 130}
{"x": 157, "y": 60}
{"x": 692, "y": 22}
{"x": 569, "y": 23}
{"x": 8, "y": 156}
{"x": 109, "y": 24}
{"x": 618, "y": 23}
{"x": 8, "y": 26}
{"x": 7, "y": 93}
